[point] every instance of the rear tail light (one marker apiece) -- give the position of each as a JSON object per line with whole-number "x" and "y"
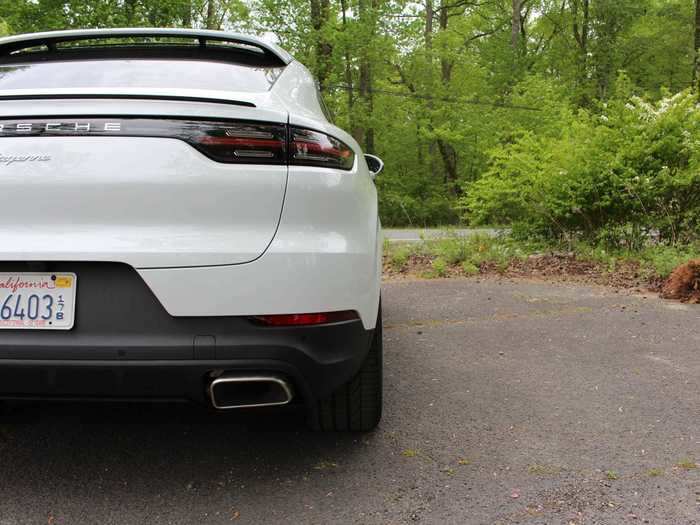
{"x": 305, "y": 319}
{"x": 229, "y": 142}
{"x": 312, "y": 148}
{"x": 241, "y": 142}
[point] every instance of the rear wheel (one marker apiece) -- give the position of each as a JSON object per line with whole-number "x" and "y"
{"x": 357, "y": 405}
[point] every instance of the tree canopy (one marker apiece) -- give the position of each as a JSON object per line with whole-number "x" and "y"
{"x": 453, "y": 93}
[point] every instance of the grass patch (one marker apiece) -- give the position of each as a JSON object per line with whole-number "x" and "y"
{"x": 655, "y": 472}
{"x": 463, "y": 255}
{"x": 480, "y": 253}
{"x": 544, "y": 470}
{"x": 469, "y": 268}
{"x": 399, "y": 258}
{"x": 687, "y": 464}
{"x": 410, "y": 453}
{"x": 611, "y": 475}
{"x": 439, "y": 267}
{"x": 654, "y": 261}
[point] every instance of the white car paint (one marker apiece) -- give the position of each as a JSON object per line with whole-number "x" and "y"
{"x": 146, "y": 202}
{"x": 209, "y": 239}
{"x": 326, "y": 256}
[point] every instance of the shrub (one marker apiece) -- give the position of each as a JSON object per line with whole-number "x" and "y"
{"x": 623, "y": 176}
{"x": 399, "y": 258}
{"x": 470, "y": 268}
{"x": 439, "y": 267}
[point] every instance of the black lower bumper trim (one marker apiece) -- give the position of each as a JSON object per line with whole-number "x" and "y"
{"x": 125, "y": 345}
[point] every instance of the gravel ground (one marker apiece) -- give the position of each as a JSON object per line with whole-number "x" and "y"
{"x": 506, "y": 402}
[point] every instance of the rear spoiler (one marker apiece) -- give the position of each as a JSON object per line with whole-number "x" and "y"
{"x": 216, "y": 42}
{"x": 185, "y": 95}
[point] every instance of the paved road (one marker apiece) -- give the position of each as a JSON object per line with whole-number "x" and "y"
{"x": 418, "y": 234}
{"x": 505, "y": 403}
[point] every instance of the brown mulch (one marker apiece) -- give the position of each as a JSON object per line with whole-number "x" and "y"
{"x": 550, "y": 266}
{"x": 684, "y": 283}
{"x": 568, "y": 267}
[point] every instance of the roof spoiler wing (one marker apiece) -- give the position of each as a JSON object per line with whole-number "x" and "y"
{"x": 201, "y": 38}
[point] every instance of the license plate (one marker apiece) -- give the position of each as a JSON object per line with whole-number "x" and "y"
{"x": 38, "y": 301}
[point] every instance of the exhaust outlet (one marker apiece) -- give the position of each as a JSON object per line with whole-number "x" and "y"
{"x": 241, "y": 391}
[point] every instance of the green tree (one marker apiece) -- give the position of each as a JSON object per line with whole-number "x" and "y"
{"x": 446, "y": 90}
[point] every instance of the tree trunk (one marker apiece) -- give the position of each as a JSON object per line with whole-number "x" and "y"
{"x": 445, "y": 63}
{"x": 696, "y": 66}
{"x": 516, "y": 24}
{"x": 211, "y": 14}
{"x": 586, "y": 24}
{"x": 428, "y": 33}
{"x": 447, "y": 151}
{"x": 366, "y": 95}
{"x": 187, "y": 15}
{"x": 449, "y": 159}
{"x": 130, "y": 12}
{"x": 348, "y": 77}
{"x": 581, "y": 34}
{"x": 366, "y": 18}
{"x": 428, "y": 36}
{"x": 320, "y": 10}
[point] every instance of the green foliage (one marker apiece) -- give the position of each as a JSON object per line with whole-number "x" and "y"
{"x": 662, "y": 260}
{"x": 470, "y": 254}
{"x": 543, "y": 132}
{"x": 399, "y": 258}
{"x": 611, "y": 475}
{"x": 469, "y": 268}
{"x": 654, "y": 260}
{"x": 439, "y": 267}
{"x": 24, "y": 16}
{"x": 618, "y": 177}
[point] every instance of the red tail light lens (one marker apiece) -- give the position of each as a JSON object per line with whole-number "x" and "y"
{"x": 312, "y": 148}
{"x": 242, "y": 142}
{"x": 222, "y": 141}
{"x": 305, "y": 319}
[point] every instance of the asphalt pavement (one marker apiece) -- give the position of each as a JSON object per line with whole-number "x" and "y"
{"x": 506, "y": 402}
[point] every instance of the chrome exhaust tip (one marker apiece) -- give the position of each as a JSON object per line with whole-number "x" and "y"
{"x": 249, "y": 391}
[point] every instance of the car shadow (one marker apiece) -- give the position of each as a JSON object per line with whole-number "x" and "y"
{"x": 159, "y": 448}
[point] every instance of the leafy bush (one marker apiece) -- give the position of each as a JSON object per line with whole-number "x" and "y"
{"x": 469, "y": 268}
{"x": 399, "y": 258}
{"x": 439, "y": 266}
{"x": 624, "y": 176}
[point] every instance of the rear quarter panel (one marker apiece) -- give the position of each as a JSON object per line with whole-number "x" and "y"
{"x": 326, "y": 256}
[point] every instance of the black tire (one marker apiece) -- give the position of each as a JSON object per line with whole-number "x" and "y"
{"x": 357, "y": 405}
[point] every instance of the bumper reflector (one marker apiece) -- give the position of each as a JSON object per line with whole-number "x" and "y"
{"x": 305, "y": 319}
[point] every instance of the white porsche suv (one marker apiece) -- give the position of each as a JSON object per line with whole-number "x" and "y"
{"x": 180, "y": 220}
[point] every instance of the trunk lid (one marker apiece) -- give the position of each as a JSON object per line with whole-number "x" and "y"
{"x": 148, "y": 202}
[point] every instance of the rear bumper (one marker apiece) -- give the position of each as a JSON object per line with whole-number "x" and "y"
{"x": 125, "y": 345}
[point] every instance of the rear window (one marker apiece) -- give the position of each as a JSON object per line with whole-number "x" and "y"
{"x": 138, "y": 73}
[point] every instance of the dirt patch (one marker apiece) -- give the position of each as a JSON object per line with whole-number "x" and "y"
{"x": 684, "y": 283}
{"x": 626, "y": 274}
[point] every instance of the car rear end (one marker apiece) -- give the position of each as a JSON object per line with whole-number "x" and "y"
{"x": 178, "y": 223}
